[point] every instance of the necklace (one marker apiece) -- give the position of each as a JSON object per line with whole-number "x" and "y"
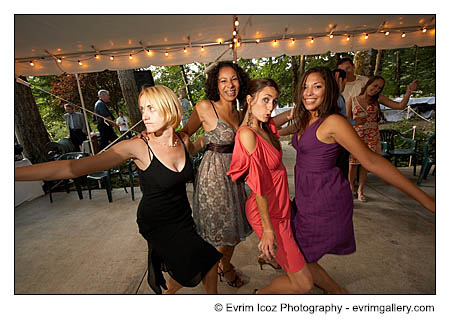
{"x": 175, "y": 143}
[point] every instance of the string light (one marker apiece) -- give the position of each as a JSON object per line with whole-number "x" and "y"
{"x": 31, "y": 63}
{"x": 312, "y": 40}
{"x": 331, "y": 36}
{"x": 348, "y": 37}
{"x": 130, "y": 57}
{"x": 235, "y": 39}
{"x": 80, "y": 63}
{"x": 234, "y": 32}
{"x": 185, "y": 50}
{"x": 149, "y": 52}
{"x": 166, "y": 53}
{"x": 202, "y": 49}
{"x": 111, "y": 58}
{"x": 424, "y": 29}
{"x": 220, "y": 40}
{"x": 366, "y": 36}
{"x": 231, "y": 45}
{"x": 257, "y": 41}
{"x": 293, "y": 41}
{"x": 275, "y": 42}
{"x": 236, "y": 22}
{"x": 238, "y": 44}
{"x": 58, "y": 60}
{"x": 97, "y": 56}
{"x": 387, "y": 33}
{"x": 403, "y": 35}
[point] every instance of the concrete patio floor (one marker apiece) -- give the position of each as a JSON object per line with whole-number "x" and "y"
{"x": 93, "y": 247}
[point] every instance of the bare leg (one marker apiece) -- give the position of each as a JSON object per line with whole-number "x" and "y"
{"x": 226, "y": 267}
{"x": 353, "y": 168}
{"x": 300, "y": 282}
{"x": 362, "y": 180}
{"x": 210, "y": 281}
{"x": 172, "y": 287}
{"x": 323, "y": 280}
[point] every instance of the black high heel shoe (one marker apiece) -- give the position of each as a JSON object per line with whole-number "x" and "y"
{"x": 237, "y": 282}
{"x": 273, "y": 263}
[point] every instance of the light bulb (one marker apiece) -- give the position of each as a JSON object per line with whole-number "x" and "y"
{"x": 202, "y": 49}
{"x": 58, "y": 60}
{"x": 275, "y": 42}
{"x": 97, "y": 56}
{"x": 257, "y": 41}
{"x": 166, "y": 53}
{"x": 149, "y": 52}
{"x": 312, "y": 40}
{"x": 331, "y": 36}
{"x": 185, "y": 50}
{"x": 234, "y": 32}
{"x": 31, "y": 63}
{"x": 130, "y": 57}
{"x": 80, "y": 63}
{"x": 387, "y": 33}
{"x": 348, "y": 37}
{"x": 111, "y": 58}
{"x": 220, "y": 40}
{"x": 292, "y": 41}
{"x": 403, "y": 35}
{"x": 238, "y": 44}
{"x": 366, "y": 36}
{"x": 236, "y": 22}
{"x": 424, "y": 30}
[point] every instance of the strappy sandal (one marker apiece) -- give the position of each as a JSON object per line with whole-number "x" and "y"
{"x": 361, "y": 197}
{"x": 237, "y": 282}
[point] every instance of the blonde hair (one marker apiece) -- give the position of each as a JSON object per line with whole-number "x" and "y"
{"x": 164, "y": 101}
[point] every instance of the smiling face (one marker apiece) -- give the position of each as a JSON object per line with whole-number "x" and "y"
{"x": 263, "y": 103}
{"x": 375, "y": 87}
{"x": 313, "y": 92}
{"x": 228, "y": 83}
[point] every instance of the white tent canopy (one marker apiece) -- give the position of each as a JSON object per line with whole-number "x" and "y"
{"x": 178, "y": 39}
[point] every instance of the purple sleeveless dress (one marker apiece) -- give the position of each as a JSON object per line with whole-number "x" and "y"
{"x": 323, "y": 209}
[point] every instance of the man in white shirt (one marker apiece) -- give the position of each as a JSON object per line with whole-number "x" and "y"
{"x": 122, "y": 121}
{"x": 354, "y": 82}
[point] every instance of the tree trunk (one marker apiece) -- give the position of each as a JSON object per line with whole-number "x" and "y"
{"x": 397, "y": 75}
{"x": 295, "y": 71}
{"x": 365, "y": 61}
{"x": 378, "y": 62}
{"x": 301, "y": 69}
{"x": 30, "y": 129}
{"x": 130, "y": 94}
{"x": 185, "y": 80}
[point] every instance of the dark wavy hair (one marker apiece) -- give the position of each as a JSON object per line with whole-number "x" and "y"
{"x": 329, "y": 105}
{"x": 372, "y": 79}
{"x": 211, "y": 81}
{"x": 255, "y": 86}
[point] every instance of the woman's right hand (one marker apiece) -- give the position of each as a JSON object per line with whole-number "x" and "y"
{"x": 267, "y": 245}
{"x": 142, "y": 134}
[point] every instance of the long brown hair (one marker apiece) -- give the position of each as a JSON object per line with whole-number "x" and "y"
{"x": 373, "y": 99}
{"x": 255, "y": 86}
{"x": 329, "y": 105}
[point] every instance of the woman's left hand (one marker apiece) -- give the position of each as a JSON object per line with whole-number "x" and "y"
{"x": 412, "y": 86}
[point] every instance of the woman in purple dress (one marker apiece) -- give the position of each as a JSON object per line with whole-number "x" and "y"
{"x": 323, "y": 209}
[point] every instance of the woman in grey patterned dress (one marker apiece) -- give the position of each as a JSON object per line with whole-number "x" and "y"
{"x": 219, "y": 203}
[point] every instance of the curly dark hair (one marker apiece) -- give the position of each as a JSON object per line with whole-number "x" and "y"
{"x": 211, "y": 82}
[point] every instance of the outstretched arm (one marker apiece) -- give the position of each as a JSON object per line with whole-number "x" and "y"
{"x": 344, "y": 134}
{"x": 283, "y": 118}
{"x": 68, "y": 169}
{"x": 267, "y": 243}
{"x": 402, "y": 104}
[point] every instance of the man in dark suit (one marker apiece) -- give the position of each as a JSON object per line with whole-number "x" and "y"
{"x": 76, "y": 126}
{"x": 107, "y": 133}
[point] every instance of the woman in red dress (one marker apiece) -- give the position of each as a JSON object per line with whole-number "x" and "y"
{"x": 257, "y": 156}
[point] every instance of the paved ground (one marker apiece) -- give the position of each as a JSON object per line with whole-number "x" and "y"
{"x": 93, "y": 247}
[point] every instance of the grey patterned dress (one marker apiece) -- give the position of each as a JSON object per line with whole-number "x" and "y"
{"x": 219, "y": 203}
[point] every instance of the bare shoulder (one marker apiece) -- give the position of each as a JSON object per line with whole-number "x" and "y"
{"x": 202, "y": 105}
{"x": 335, "y": 119}
{"x": 248, "y": 139}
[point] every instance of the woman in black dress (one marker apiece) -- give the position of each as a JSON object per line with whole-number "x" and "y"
{"x": 164, "y": 214}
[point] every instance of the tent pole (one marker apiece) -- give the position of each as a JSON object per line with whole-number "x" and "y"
{"x": 84, "y": 113}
